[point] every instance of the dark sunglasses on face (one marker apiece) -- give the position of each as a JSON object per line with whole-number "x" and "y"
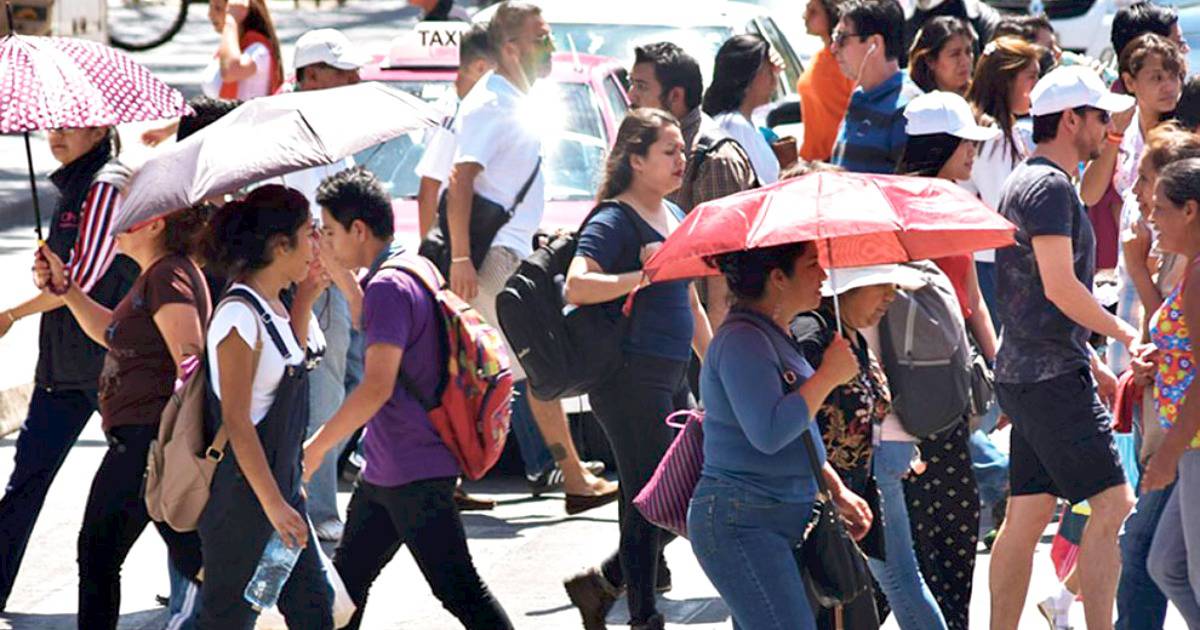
{"x": 840, "y": 37}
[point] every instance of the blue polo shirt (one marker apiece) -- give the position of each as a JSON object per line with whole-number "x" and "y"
{"x": 872, "y": 138}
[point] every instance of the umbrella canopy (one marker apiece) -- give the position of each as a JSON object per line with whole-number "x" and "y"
{"x": 268, "y": 137}
{"x": 65, "y": 83}
{"x": 861, "y": 219}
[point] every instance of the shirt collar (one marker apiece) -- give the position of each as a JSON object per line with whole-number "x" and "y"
{"x": 392, "y": 250}
{"x": 891, "y": 84}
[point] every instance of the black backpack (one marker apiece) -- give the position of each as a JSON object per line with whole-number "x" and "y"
{"x": 566, "y": 350}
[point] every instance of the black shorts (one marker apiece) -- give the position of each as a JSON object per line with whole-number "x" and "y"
{"x": 1061, "y": 442}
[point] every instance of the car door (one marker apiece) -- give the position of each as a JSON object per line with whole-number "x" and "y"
{"x": 768, "y": 30}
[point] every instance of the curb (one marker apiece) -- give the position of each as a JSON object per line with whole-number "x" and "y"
{"x": 14, "y": 403}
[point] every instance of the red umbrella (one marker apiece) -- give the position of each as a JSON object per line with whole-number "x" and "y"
{"x": 861, "y": 219}
{"x": 65, "y": 83}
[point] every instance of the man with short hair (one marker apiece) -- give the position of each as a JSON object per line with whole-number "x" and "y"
{"x": 498, "y": 154}
{"x": 868, "y": 44}
{"x": 1144, "y": 17}
{"x": 667, "y": 78}
{"x": 1048, "y": 377}
{"x": 325, "y": 59}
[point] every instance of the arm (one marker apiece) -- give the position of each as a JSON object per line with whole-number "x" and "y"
{"x": 181, "y": 329}
{"x": 235, "y": 65}
{"x": 703, "y": 330}
{"x": 427, "y": 204}
{"x": 379, "y": 380}
{"x": 1099, "y": 174}
{"x": 980, "y": 321}
{"x": 1160, "y": 471}
{"x": 236, "y": 359}
{"x": 1065, "y": 291}
{"x": 39, "y": 303}
{"x": 587, "y": 283}
{"x": 458, "y": 217}
{"x": 93, "y": 318}
{"x": 1135, "y": 245}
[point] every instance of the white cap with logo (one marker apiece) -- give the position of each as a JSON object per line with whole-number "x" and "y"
{"x": 945, "y": 112}
{"x": 1068, "y": 87}
{"x": 327, "y": 46}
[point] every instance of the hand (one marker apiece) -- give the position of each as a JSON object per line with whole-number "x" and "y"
{"x": 839, "y": 361}
{"x": 1121, "y": 120}
{"x": 1106, "y": 384}
{"x": 1129, "y": 336}
{"x": 238, "y": 10}
{"x": 48, "y": 270}
{"x": 1002, "y": 422}
{"x": 1136, "y": 243}
{"x": 314, "y": 284}
{"x": 1145, "y": 363}
{"x": 155, "y": 137}
{"x": 1160, "y": 471}
{"x": 463, "y": 280}
{"x": 313, "y": 456}
{"x": 648, "y": 250}
{"x": 855, "y": 512}
{"x": 289, "y": 524}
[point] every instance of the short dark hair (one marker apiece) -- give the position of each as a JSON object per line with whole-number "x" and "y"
{"x": 1180, "y": 181}
{"x": 1138, "y": 52}
{"x": 878, "y": 17}
{"x": 473, "y": 45}
{"x": 1140, "y": 18}
{"x": 355, "y": 194}
{"x": 1188, "y": 109}
{"x": 925, "y": 155}
{"x": 673, "y": 68}
{"x": 1045, "y": 127}
{"x": 738, "y": 60}
{"x": 1024, "y": 27}
{"x": 746, "y": 272}
{"x": 205, "y": 111}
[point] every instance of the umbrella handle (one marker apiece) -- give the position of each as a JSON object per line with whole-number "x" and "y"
{"x": 37, "y": 209}
{"x": 837, "y": 304}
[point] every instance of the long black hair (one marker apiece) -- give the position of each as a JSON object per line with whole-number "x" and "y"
{"x": 737, "y": 63}
{"x": 746, "y": 272}
{"x": 242, "y": 233}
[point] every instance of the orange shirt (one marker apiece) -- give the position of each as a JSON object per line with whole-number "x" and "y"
{"x": 824, "y": 97}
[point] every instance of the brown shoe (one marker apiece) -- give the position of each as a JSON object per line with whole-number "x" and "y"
{"x": 593, "y": 596}
{"x": 468, "y": 503}
{"x": 577, "y": 503}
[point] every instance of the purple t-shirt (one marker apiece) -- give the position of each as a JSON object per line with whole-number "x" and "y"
{"x": 401, "y": 445}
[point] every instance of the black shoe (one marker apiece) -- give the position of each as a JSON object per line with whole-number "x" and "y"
{"x": 654, "y": 623}
{"x": 593, "y": 596}
{"x": 662, "y": 583}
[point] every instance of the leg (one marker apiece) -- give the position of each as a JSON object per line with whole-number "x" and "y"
{"x": 1167, "y": 563}
{"x": 306, "y": 600}
{"x": 233, "y": 533}
{"x": 533, "y": 449}
{"x": 1012, "y": 556}
{"x": 900, "y": 576}
{"x": 53, "y": 424}
{"x": 439, "y": 546}
{"x": 1141, "y": 605}
{"x": 369, "y": 543}
{"x": 113, "y": 520}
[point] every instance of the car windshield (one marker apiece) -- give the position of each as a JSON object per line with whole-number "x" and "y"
{"x": 619, "y": 40}
{"x": 575, "y": 143}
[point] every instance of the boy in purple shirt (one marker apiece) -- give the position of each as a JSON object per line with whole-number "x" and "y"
{"x": 406, "y": 493}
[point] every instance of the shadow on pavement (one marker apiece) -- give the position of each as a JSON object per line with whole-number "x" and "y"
{"x": 485, "y": 526}
{"x": 140, "y": 620}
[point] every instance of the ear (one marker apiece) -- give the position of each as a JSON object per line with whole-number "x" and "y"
{"x": 676, "y": 99}
{"x": 637, "y": 162}
{"x": 1127, "y": 79}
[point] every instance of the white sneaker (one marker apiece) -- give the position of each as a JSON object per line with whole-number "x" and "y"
{"x": 1058, "y": 619}
{"x": 330, "y": 531}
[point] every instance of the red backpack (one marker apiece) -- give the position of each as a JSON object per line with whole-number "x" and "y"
{"x": 472, "y": 404}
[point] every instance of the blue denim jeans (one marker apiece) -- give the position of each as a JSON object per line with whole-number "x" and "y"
{"x": 900, "y": 577}
{"x": 1141, "y": 605}
{"x": 327, "y": 390}
{"x": 990, "y": 466}
{"x": 184, "y": 602}
{"x": 529, "y": 438}
{"x": 744, "y": 543}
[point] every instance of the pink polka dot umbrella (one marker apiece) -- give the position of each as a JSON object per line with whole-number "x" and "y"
{"x": 65, "y": 83}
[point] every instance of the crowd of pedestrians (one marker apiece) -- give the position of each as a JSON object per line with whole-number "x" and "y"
{"x": 320, "y": 336}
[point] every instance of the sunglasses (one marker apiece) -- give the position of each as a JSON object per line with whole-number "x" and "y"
{"x": 1103, "y": 114}
{"x": 840, "y": 37}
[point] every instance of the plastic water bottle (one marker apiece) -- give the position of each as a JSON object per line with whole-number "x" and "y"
{"x": 272, "y": 573}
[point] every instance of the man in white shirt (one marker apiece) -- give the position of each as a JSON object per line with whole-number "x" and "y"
{"x": 498, "y": 152}
{"x": 326, "y": 59}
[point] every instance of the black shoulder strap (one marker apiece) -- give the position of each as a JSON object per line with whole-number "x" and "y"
{"x": 809, "y": 446}
{"x": 528, "y": 184}
{"x": 264, "y": 316}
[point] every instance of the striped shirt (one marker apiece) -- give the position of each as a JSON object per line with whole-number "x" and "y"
{"x": 96, "y": 245}
{"x": 872, "y": 138}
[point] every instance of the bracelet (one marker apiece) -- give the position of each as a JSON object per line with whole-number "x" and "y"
{"x": 1116, "y": 138}
{"x": 63, "y": 291}
{"x": 460, "y": 259}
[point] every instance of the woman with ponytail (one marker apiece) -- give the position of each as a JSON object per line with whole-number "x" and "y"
{"x": 665, "y": 325}
{"x": 258, "y": 374}
{"x": 150, "y": 336}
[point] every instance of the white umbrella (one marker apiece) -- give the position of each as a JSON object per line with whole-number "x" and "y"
{"x": 268, "y": 137}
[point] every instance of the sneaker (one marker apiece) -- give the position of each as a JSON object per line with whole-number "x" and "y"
{"x": 551, "y": 478}
{"x": 1058, "y": 619}
{"x": 330, "y": 531}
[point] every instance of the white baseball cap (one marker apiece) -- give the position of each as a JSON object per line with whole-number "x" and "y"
{"x": 945, "y": 112}
{"x": 845, "y": 279}
{"x": 327, "y": 46}
{"x": 1068, "y": 87}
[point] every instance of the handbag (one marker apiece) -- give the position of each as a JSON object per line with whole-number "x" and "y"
{"x": 487, "y": 217}
{"x": 834, "y": 568}
{"x": 664, "y": 499}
